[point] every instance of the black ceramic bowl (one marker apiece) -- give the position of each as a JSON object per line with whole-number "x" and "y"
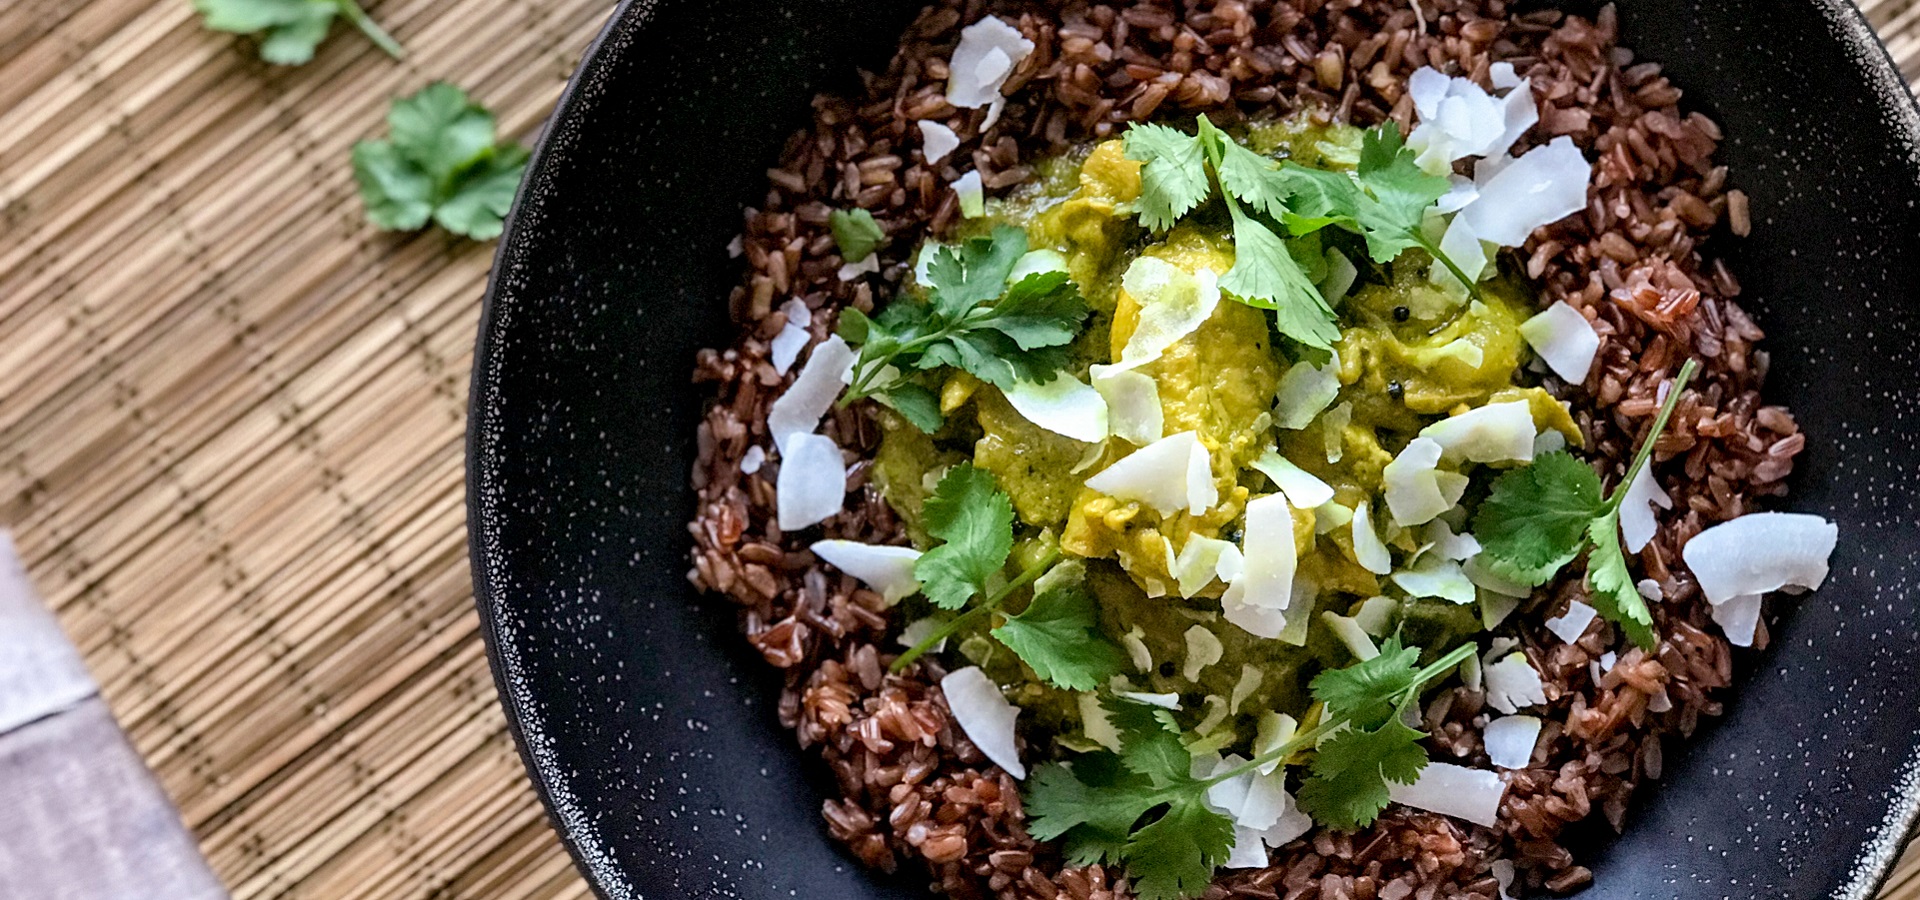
{"x": 647, "y": 725}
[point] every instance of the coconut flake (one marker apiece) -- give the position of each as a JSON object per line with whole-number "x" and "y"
{"x": 1437, "y": 576}
{"x": 1133, "y": 404}
{"x": 986, "y": 55}
{"x": 985, "y": 715}
{"x": 1564, "y": 339}
{"x": 736, "y": 247}
{"x": 1036, "y": 262}
{"x": 1503, "y": 76}
{"x": 798, "y": 410}
{"x": 884, "y": 568}
{"x": 752, "y": 460}
{"x": 1463, "y": 247}
{"x": 1304, "y": 391}
{"x": 1333, "y": 427}
{"x": 1414, "y": 493}
{"x": 1349, "y": 632}
{"x": 1160, "y": 475}
{"x": 1269, "y": 554}
{"x": 1497, "y": 432}
{"x": 1660, "y": 702}
{"x": 1173, "y": 302}
{"x": 1462, "y": 192}
{"x": 1203, "y": 649}
{"x": 1095, "y": 723}
{"x": 1303, "y": 489}
{"x": 786, "y": 346}
{"x": 1329, "y": 516}
{"x": 1650, "y": 589}
{"x": 1495, "y": 608}
{"x": 1637, "y": 524}
{"x": 1570, "y": 625}
{"x": 1513, "y": 683}
{"x": 1761, "y": 552}
{"x": 812, "y": 484}
{"x": 1065, "y": 406}
{"x": 1375, "y": 615}
{"x": 1450, "y": 790}
{"x": 919, "y": 630}
{"x": 1739, "y": 618}
{"x": 1549, "y": 441}
{"x": 972, "y": 193}
{"x": 1510, "y": 740}
{"x": 1546, "y": 185}
{"x": 1488, "y": 580}
{"x": 1199, "y": 563}
{"x": 1457, "y": 547}
{"x": 868, "y": 266}
{"x": 1368, "y": 550}
{"x": 936, "y": 141}
{"x": 1163, "y": 701}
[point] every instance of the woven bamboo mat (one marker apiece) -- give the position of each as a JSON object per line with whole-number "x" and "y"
{"x": 231, "y": 430}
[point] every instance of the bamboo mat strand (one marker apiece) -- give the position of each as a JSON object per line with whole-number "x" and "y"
{"x": 231, "y": 424}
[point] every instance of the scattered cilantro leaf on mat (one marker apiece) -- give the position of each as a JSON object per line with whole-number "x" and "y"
{"x": 289, "y": 30}
{"x": 974, "y": 520}
{"x": 1541, "y": 516}
{"x": 855, "y": 233}
{"x": 1057, "y": 636}
{"x": 972, "y": 320}
{"x": 439, "y": 163}
{"x": 1144, "y": 809}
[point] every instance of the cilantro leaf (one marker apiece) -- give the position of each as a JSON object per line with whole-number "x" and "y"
{"x": 1367, "y": 692}
{"x": 1174, "y": 180}
{"x": 1610, "y": 584}
{"x": 439, "y": 163}
{"x": 965, "y": 276}
{"x": 1347, "y": 787}
{"x": 974, "y": 519}
{"x": 1248, "y": 176}
{"x": 1041, "y": 310}
{"x": 1175, "y": 855}
{"x": 915, "y": 403}
{"x": 1537, "y": 516}
{"x": 290, "y": 30}
{"x": 1265, "y": 275}
{"x": 1317, "y": 198}
{"x": 855, "y": 233}
{"x": 1092, "y": 796}
{"x": 1396, "y": 195}
{"x": 1056, "y": 636}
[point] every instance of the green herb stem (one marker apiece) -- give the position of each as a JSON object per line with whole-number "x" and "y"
{"x": 1641, "y": 456}
{"x": 992, "y": 603}
{"x": 379, "y": 36}
{"x": 1433, "y": 250}
{"x": 1312, "y": 736}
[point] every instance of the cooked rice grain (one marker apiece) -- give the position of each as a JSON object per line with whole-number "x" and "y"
{"x": 914, "y": 791}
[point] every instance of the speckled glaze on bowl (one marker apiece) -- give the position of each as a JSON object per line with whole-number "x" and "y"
{"x": 648, "y": 726}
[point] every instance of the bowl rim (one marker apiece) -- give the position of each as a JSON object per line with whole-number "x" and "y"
{"x": 1881, "y": 851}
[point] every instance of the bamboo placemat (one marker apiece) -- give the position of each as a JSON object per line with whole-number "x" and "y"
{"x": 231, "y": 431}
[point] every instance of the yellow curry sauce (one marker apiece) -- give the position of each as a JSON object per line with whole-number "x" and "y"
{"x": 1409, "y": 353}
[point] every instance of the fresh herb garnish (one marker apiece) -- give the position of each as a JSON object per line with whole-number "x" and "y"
{"x": 440, "y": 163}
{"x": 1142, "y": 806}
{"x": 1385, "y": 200}
{"x": 971, "y": 320}
{"x": 289, "y": 30}
{"x": 855, "y": 233}
{"x": 1054, "y": 636}
{"x": 1540, "y": 517}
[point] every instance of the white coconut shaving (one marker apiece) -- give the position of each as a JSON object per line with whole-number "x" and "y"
{"x": 1512, "y": 683}
{"x": 1169, "y": 475}
{"x": 1173, "y": 302}
{"x": 736, "y": 248}
{"x": 1349, "y": 632}
{"x": 812, "y": 485}
{"x": 1333, "y": 427}
{"x": 919, "y": 630}
{"x": 752, "y": 460}
{"x": 1065, "y": 406}
{"x": 786, "y": 346}
{"x": 1341, "y": 276}
{"x": 798, "y": 410}
{"x": 1264, "y": 815}
{"x": 1570, "y": 625}
{"x": 988, "y": 51}
{"x": 1329, "y": 516}
{"x": 936, "y": 141}
{"x": 973, "y": 195}
{"x": 884, "y": 568}
{"x": 1510, "y": 740}
{"x": 1460, "y": 245}
{"x": 1304, "y": 391}
{"x": 1497, "y": 432}
{"x": 1488, "y": 580}
{"x": 1637, "y": 523}
{"x": 1036, "y": 262}
{"x": 1368, "y": 550}
{"x": 1203, "y": 650}
{"x": 1133, "y": 404}
{"x": 1549, "y": 441}
{"x": 1443, "y": 542}
{"x": 1163, "y": 701}
{"x": 1270, "y": 557}
{"x": 1303, "y": 489}
{"x": 1564, "y": 339}
{"x": 1650, "y": 589}
{"x": 1450, "y": 790}
{"x": 1375, "y": 615}
{"x": 1437, "y": 576}
{"x": 1738, "y": 618}
{"x": 1495, "y": 608}
{"x": 1201, "y": 560}
{"x": 1761, "y": 552}
{"x": 985, "y": 715}
{"x": 1546, "y": 185}
{"x": 1415, "y": 492}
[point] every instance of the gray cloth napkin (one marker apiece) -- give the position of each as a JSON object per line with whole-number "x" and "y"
{"x": 81, "y": 818}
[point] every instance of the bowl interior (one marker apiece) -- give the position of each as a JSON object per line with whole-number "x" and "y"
{"x": 649, "y": 726}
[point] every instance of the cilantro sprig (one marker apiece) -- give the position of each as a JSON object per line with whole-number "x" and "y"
{"x": 440, "y": 163}
{"x": 1143, "y": 808}
{"x": 855, "y": 233}
{"x": 971, "y": 319}
{"x": 1385, "y": 200}
{"x": 290, "y": 30}
{"x": 1055, "y": 635}
{"x": 1540, "y": 517}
